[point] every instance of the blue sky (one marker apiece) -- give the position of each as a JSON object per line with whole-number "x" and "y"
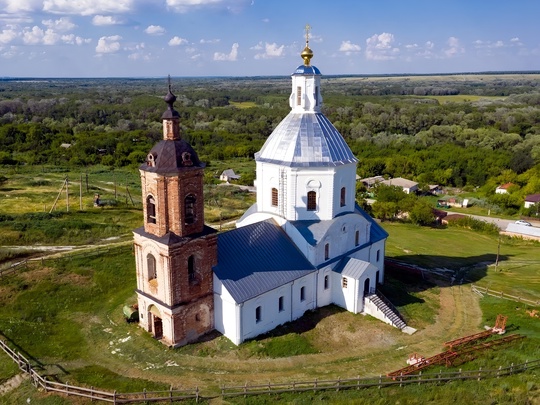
{"x": 141, "y": 38}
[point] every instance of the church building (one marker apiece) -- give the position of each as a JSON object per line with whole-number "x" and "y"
{"x": 304, "y": 244}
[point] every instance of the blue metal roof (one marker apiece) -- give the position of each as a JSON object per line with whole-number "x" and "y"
{"x": 352, "y": 267}
{"x": 307, "y": 70}
{"x": 306, "y": 140}
{"x": 258, "y": 258}
{"x": 314, "y": 231}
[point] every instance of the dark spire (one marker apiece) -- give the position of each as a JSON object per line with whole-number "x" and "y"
{"x": 170, "y": 98}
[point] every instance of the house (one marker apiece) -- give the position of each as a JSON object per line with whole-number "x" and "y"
{"x": 228, "y": 175}
{"x": 304, "y": 244}
{"x": 503, "y": 188}
{"x": 408, "y": 186}
{"x": 371, "y": 181}
{"x": 532, "y": 199}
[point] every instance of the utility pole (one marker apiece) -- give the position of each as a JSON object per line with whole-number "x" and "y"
{"x": 67, "y": 194}
{"x": 498, "y": 253}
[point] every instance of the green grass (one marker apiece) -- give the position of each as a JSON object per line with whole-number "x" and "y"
{"x": 8, "y": 368}
{"x": 243, "y": 104}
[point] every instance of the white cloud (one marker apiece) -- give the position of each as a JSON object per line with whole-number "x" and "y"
{"x": 72, "y": 39}
{"x": 108, "y": 44}
{"x": 176, "y": 41}
{"x": 17, "y": 6}
{"x": 515, "y": 39}
{"x": 184, "y": 6}
{"x": 266, "y": 20}
{"x": 349, "y": 48}
{"x": 454, "y": 47}
{"x": 107, "y": 20}
{"x": 155, "y": 30}
{"x": 231, "y": 56}
{"x": 270, "y": 50}
{"x": 88, "y": 7}
{"x": 380, "y": 47}
{"x": 210, "y": 41}
{"x": 8, "y": 35}
{"x": 33, "y": 36}
{"x": 63, "y": 24}
{"x": 10, "y": 52}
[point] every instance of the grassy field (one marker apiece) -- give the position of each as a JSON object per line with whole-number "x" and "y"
{"x": 66, "y": 313}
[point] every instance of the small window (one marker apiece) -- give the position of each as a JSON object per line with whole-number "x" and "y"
{"x": 326, "y": 282}
{"x": 298, "y": 95}
{"x": 151, "y": 266}
{"x": 150, "y": 209}
{"x": 344, "y": 282}
{"x": 311, "y": 200}
{"x": 189, "y": 209}
{"x": 281, "y": 306}
{"x": 378, "y": 255}
{"x": 342, "y": 199}
{"x": 258, "y": 314}
{"x": 274, "y": 197}
{"x": 316, "y": 95}
{"x": 302, "y": 293}
{"x": 191, "y": 270}
{"x": 356, "y": 238}
{"x": 327, "y": 251}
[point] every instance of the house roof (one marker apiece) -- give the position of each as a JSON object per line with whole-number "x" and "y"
{"x": 353, "y": 268}
{"x": 400, "y": 182}
{"x": 505, "y": 186}
{"x": 533, "y": 198}
{"x": 258, "y": 258}
{"x": 230, "y": 173}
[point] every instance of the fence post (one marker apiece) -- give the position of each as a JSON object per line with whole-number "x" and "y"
{"x": 401, "y": 379}
{"x": 380, "y": 380}
{"x": 170, "y": 394}
{"x": 245, "y": 390}
{"x": 512, "y": 368}
{"x": 144, "y": 393}
{"x": 526, "y": 364}
{"x": 358, "y": 382}
{"x": 499, "y": 372}
{"x": 338, "y": 382}
{"x": 419, "y": 378}
{"x": 114, "y": 397}
{"x": 315, "y": 385}
{"x": 269, "y": 387}
{"x": 197, "y": 394}
{"x": 479, "y": 373}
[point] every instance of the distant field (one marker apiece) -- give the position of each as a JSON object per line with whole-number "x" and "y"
{"x": 243, "y": 104}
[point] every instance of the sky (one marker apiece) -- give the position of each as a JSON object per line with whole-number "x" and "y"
{"x": 156, "y": 38}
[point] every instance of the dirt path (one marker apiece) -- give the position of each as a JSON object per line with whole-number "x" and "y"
{"x": 12, "y": 383}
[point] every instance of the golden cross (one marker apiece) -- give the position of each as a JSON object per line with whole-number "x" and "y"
{"x": 307, "y": 28}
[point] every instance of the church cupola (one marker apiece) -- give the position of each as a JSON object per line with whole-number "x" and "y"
{"x": 306, "y": 83}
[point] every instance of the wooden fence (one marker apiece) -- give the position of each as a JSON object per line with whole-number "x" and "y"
{"x": 500, "y": 294}
{"x": 13, "y": 267}
{"x": 269, "y": 389}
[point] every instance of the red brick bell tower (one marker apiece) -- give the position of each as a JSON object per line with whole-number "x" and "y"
{"x": 174, "y": 250}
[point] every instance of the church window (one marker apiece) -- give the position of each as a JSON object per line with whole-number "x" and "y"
{"x": 342, "y": 200}
{"x": 150, "y": 209}
{"x": 191, "y": 269}
{"x": 344, "y": 282}
{"x": 258, "y": 312}
{"x": 281, "y": 306}
{"x": 326, "y": 282}
{"x": 298, "y": 95}
{"x": 378, "y": 255}
{"x": 151, "y": 266}
{"x": 356, "y": 238}
{"x": 274, "y": 197}
{"x": 302, "y": 293}
{"x": 327, "y": 251}
{"x": 316, "y": 95}
{"x": 189, "y": 206}
{"x": 311, "y": 200}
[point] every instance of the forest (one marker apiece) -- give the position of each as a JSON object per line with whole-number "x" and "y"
{"x": 470, "y": 131}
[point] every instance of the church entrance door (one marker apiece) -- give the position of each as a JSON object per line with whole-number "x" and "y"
{"x": 158, "y": 328}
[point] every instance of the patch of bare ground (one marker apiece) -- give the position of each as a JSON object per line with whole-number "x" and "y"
{"x": 12, "y": 383}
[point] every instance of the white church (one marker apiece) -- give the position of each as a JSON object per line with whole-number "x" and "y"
{"x": 304, "y": 244}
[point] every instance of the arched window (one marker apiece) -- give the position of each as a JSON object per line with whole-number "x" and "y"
{"x": 342, "y": 199}
{"x": 189, "y": 209}
{"x": 150, "y": 210}
{"x": 302, "y": 293}
{"x": 151, "y": 267}
{"x": 327, "y": 251}
{"x": 326, "y": 282}
{"x": 191, "y": 269}
{"x": 356, "y": 238}
{"x": 311, "y": 200}
{"x": 275, "y": 199}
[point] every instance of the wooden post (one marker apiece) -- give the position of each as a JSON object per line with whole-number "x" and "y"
{"x": 67, "y": 194}
{"x": 91, "y": 394}
{"x": 80, "y": 194}
{"x": 197, "y": 394}
{"x": 380, "y": 380}
{"x": 498, "y": 252}
{"x": 479, "y": 373}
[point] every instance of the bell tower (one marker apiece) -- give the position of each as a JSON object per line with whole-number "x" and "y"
{"x": 174, "y": 250}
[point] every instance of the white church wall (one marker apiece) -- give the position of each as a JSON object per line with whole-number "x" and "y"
{"x": 319, "y": 180}
{"x": 345, "y": 176}
{"x": 325, "y": 281}
{"x": 263, "y": 313}
{"x": 227, "y": 313}
{"x": 308, "y": 250}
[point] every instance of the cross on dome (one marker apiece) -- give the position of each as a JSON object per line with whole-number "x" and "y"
{"x": 307, "y": 53}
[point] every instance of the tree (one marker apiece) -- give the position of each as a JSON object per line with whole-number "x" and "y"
{"x": 422, "y": 213}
